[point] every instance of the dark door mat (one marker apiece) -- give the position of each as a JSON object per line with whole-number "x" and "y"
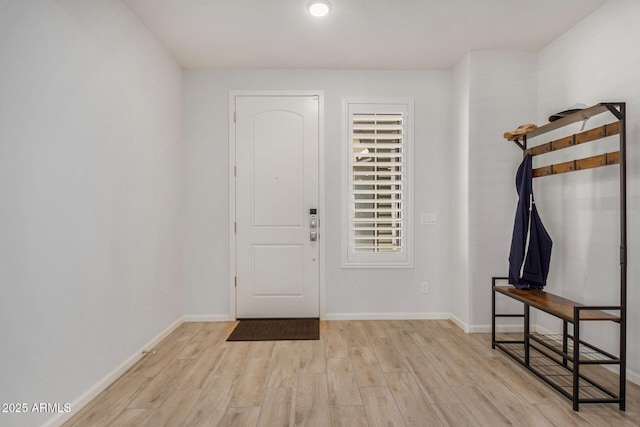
{"x": 276, "y": 330}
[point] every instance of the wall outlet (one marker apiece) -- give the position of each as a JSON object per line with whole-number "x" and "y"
{"x": 424, "y": 287}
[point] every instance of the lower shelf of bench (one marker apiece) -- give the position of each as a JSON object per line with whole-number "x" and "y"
{"x": 558, "y": 373}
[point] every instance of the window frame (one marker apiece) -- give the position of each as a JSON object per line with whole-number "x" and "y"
{"x": 404, "y": 257}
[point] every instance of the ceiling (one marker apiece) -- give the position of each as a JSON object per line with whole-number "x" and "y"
{"x": 357, "y": 34}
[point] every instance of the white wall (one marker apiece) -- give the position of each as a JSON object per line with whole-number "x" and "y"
{"x": 598, "y": 60}
{"x": 502, "y": 97}
{"x": 459, "y": 198}
{"x": 493, "y": 92}
{"x": 90, "y": 208}
{"x": 349, "y": 292}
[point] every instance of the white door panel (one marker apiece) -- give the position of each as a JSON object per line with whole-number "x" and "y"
{"x": 278, "y": 270}
{"x": 278, "y": 169}
{"x": 276, "y": 186}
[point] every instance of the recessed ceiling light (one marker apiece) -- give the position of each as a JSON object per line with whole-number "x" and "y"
{"x": 319, "y": 8}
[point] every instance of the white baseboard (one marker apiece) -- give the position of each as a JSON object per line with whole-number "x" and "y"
{"x": 459, "y": 323}
{"x": 207, "y": 318}
{"x": 482, "y": 329}
{"x": 385, "y": 316}
{"x": 505, "y": 329}
{"x": 633, "y": 376}
{"x": 101, "y": 385}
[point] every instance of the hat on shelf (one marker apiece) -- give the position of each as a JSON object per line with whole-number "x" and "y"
{"x": 573, "y": 109}
{"x": 520, "y": 131}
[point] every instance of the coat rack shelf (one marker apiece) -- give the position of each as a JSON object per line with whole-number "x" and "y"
{"x": 563, "y": 361}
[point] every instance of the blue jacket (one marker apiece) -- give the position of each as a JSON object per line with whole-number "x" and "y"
{"x": 530, "y": 244}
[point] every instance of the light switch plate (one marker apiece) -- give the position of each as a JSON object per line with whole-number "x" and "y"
{"x": 428, "y": 218}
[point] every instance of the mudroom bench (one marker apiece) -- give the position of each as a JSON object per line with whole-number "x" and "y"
{"x": 566, "y": 361}
{"x": 559, "y": 359}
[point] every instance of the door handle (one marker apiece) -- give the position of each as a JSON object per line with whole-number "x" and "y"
{"x": 313, "y": 219}
{"x": 313, "y": 224}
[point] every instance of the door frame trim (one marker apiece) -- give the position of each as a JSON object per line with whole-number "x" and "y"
{"x": 232, "y": 189}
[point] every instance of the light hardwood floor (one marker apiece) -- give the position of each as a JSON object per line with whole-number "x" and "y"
{"x": 360, "y": 373}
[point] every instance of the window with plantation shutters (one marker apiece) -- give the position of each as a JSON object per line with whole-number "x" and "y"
{"x": 378, "y": 195}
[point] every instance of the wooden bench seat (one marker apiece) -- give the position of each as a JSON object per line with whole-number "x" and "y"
{"x": 554, "y": 304}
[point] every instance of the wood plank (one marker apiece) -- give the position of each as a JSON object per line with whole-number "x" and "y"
{"x": 127, "y": 418}
{"x": 511, "y": 403}
{"x": 561, "y": 143}
{"x": 612, "y": 129}
{"x": 252, "y": 384}
{"x": 198, "y": 374}
{"x": 613, "y": 158}
{"x": 212, "y": 404}
{"x": 234, "y": 360}
{"x": 239, "y": 417}
{"x": 522, "y": 382}
{"x": 366, "y": 367}
{"x": 594, "y": 134}
{"x": 343, "y": 387}
{"x": 175, "y": 409}
{"x": 381, "y": 407}
{"x": 591, "y": 135}
{"x": 110, "y": 402}
{"x": 457, "y": 414}
{"x": 348, "y": 416}
{"x": 193, "y": 350}
{"x": 312, "y": 360}
{"x": 355, "y": 334}
{"x": 428, "y": 376}
{"x": 185, "y": 332}
{"x": 591, "y": 162}
{"x": 553, "y": 304}
{"x": 162, "y": 384}
{"x": 413, "y": 405}
{"x": 376, "y": 329}
{"x": 527, "y": 416}
{"x": 564, "y": 167}
{"x": 489, "y": 413}
{"x": 460, "y": 351}
{"x": 452, "y": 373}
{"x": 284, "y": 371}
{"x": 213, "y": 332}
{"x": 262, "y": 349}
{"x": 597, "y": 161}
{"x": 388, "y": 355}
{"x": 312, "y": 401}
{"x": 335, "y": 345}
{"x": 605, "y": 159}
{"x": 542, "y": 171}
{"x": 405, "y": 344}
{"x": 277, "y": 408}
{"x": 560, "y": 415}
{"x": 153, "y": 363}
{"x": 545, "y": 148}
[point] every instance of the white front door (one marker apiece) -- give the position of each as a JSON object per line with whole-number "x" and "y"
{"x": 277, "y": 141}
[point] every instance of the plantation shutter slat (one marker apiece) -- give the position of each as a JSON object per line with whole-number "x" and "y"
{"x": 377, "y": 193}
